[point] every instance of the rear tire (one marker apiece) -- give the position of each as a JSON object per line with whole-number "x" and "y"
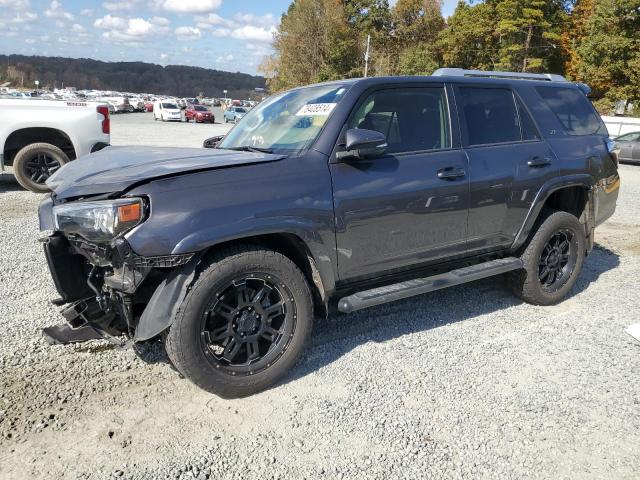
{"x": 35, "y": 163}
{"x": 552, "y": 261}
{"x": 232, "y": 340}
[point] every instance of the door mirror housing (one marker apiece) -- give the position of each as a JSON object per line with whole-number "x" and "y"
{"x": 363, "y": 144}
{"x": 212, "y": 142}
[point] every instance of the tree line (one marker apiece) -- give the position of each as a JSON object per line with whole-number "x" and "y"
{"x": 591, "y": 41}
{"x": 137, "y": 77}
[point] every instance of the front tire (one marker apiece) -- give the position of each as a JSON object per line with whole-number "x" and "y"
{"x": 552, "y": 261}
{"x": 243, "y": 324}
{"x": 35, "y": 163}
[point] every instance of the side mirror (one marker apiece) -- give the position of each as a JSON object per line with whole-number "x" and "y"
{"x": 212, "y": 142}
{"x": 363, "y": 144}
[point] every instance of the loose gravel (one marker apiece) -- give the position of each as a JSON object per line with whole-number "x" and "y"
{"x": 466, "y": 382}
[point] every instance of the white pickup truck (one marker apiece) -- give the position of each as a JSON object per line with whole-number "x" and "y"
{"x": 37, "y": 136}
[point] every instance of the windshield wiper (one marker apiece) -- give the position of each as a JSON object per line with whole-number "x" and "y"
{"x": 249, "y": 148}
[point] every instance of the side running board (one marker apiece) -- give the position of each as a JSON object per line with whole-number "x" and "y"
{"x": 398, "y": 291}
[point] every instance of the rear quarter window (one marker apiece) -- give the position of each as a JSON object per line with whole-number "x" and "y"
{"x": 573, "y": 109}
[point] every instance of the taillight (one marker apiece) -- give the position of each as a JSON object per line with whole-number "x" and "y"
{"x": 106, "y": 123}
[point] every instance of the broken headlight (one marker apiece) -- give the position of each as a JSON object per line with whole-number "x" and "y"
{"x": 99, "y": 221}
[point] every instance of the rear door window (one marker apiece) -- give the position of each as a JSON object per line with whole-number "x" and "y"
{"x": 573, "y": 109}
{"x": 412, "y": 119}
{"x": 490, "y": 115}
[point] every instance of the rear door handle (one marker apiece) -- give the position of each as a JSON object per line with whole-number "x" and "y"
{"x": 539, "y": 162}
{"x": 450, "y": 173}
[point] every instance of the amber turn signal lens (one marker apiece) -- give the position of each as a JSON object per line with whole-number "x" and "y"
{"x": 129, "y": 213}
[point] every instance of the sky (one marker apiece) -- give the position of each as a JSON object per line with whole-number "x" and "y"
{"x": 231, "y": 35}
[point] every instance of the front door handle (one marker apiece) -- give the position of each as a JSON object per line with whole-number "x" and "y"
{"x": 450, "y": 173}
{"x": 539, "y": 162}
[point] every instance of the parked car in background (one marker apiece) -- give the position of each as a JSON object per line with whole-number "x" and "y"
{"x": 138, "y": 104}
{"x": 628, "y": 146}
{"x": 199, "y": 114}
{"x": 233, "y": 114}
{"x": 124, "y": 106}
{"x": 37, "y": 137}
{"x": 342, "y": 195}
{"x": 148, "y": 106}
{"x": 167, "y": 111}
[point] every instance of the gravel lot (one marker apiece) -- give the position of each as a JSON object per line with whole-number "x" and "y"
{"x": 438, "y": 386}
{"x": 141, "y": 129}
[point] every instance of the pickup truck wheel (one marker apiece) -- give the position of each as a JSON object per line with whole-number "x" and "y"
{"x": 243, "y": 324}
{"x": 34, "y": 163}
{"x": 552, "y": 261}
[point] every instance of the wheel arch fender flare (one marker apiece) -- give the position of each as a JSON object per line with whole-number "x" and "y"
{"x": 163, "y": 306}
{"x": 305, "y": 231}
{"x": 583, "y": 180}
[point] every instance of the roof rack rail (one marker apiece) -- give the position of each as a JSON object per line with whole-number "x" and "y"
{"x": 460, "y": 72}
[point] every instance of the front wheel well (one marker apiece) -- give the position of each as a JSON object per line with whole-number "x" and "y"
{"x": 27, "y": 136}
{"x": 294, "y": 248}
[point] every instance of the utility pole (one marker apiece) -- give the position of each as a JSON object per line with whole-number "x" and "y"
{"x": 366, "y": 56}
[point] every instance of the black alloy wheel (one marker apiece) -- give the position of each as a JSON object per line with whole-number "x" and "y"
{"x": 248, "y": 324}
{"x": 35, "y": 163}
{"x": 40, "y": 167}
{"x": 552, "y": 260}
{"x": 557, "y": 260}
{"x": 243, "y": 324}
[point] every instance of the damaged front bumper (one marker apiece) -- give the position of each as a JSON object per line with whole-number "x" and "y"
{"x": 108, "y": 290}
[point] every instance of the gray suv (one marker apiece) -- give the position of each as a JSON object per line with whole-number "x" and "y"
{"x": 336, "y": 196}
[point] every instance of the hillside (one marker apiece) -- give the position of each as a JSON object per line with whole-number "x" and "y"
{"x": 85, "y": 73}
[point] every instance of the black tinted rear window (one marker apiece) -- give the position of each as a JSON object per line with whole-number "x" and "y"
{"x": 572, "y": 109}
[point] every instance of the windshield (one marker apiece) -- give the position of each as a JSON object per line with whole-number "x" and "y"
{"x": 200, "y": 109}
{"x": 170, "y": 105}
{"x": 287, "y": 122}
{"x": 240, "y": 110}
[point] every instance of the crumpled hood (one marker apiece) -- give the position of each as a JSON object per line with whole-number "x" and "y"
{"x": 114, "y": 169}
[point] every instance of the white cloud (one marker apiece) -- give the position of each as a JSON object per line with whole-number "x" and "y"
{"x": 24, "y": 17}
{"x": 190, "y": 6}
{"x": 110, "y": 22}
{"x": 86, "y": 12}
{"x": 247, "y": 32}
{"x": 163, "y": 56}
{"x": 55, "y": 10}
{"x": 221, "y": 32}
{"x": 226, "y": 58}
{"x": 15, "y": 4}
{"x": 251, "y": 19}
{"x": 207, "y": 21}
{"x": 131, "y": 30}
{"x": 159, "y": 21}
{"x": 77, "y": 28}
{"x": 188, "y": 33}
{"x": 243, "y": 26}
{"x": 118, "y": 6}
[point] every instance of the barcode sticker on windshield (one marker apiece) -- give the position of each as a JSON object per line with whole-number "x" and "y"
{"x": 316, "y": 109}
